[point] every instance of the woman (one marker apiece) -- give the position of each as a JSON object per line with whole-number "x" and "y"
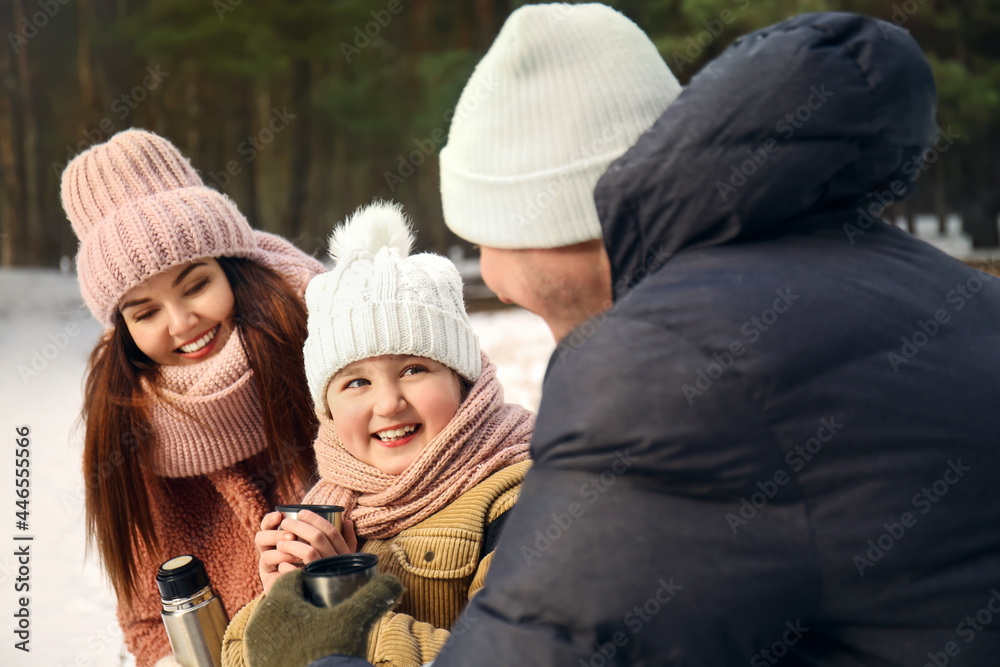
{"x": 204, "y": 319}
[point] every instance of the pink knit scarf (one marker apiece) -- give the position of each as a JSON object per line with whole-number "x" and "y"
{"x": 210, "y": 417}
{"x": 484, "y": 436}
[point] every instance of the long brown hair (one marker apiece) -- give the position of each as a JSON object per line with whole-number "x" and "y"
{"x": 270, "y": 319}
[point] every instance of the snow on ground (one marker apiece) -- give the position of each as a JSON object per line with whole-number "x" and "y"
{"x": 46, "y": 334}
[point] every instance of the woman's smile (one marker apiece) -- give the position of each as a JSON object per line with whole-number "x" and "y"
{"x": 200, "y": 346}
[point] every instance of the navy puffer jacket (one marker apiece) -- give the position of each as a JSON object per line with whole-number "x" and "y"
{"x": 781, "y": 443}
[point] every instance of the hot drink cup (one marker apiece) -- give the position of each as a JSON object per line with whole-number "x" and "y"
{"x": 332, "y": 513}
{"x": 329, "y": 581}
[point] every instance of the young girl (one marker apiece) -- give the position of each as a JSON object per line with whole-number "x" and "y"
{"x": 415, "y": 440}
{"x": 204, "y": 318}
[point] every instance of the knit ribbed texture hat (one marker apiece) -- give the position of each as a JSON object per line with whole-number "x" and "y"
{"x": 380, "y": 300}
{"x": 139, "y": 208}
{"x": 563, "y": 91}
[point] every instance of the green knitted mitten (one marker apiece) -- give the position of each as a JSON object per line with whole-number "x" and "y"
{"x": 286, "y": 630}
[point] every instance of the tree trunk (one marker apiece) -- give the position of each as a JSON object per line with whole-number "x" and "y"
{"x": 429, "y": 193}
{"x": 12, "y": 220}
{"x": 298, "y": 188}
{"x": 246, "y": 123}
{"x": 29, "y": 129}
{"x": 485, "y": 29}
{"x": 261, "y": 195}
{"x": 193, "y": 107}
{"x": 940, "y": 201}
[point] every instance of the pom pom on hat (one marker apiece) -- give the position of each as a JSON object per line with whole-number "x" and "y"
{"x": 369, "y": 229}
{"x": 380, "y": 300}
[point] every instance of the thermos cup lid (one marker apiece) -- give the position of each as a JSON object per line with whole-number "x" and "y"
{"x": 342, "y": 565}
{"x": 314, "y": 508}
{"x": 181, "y": 577}
{"x": 329, "y": 581}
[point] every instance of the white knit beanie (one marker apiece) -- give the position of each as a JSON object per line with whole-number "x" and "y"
{"x": 380, "y": 300}
{"x": 563, "y": 91}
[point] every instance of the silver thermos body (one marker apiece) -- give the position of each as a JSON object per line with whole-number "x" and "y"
{"x": 191, "y": 613}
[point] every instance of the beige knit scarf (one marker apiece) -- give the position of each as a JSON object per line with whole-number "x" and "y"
{"x": 484, "y": 436}
{"x": 209, "y": 417}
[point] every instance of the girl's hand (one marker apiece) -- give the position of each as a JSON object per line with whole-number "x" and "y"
{"x": 317, "y": 538}
{"x": 272, "y": 563}
{"x": 280, "y": 552}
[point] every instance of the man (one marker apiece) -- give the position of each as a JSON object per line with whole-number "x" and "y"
{"x": 767, "y": 427}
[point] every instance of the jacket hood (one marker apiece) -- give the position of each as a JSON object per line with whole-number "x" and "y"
{"x": 813, "y": 115}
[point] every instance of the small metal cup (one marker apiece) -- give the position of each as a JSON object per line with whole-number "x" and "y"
{"x": 329, "y": 581}
{"x": 332, "y": 513}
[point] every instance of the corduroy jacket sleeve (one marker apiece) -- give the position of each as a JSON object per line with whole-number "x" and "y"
{"x": 232, "y": 641}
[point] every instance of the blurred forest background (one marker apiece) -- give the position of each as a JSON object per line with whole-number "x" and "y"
{"x": 302, "y": 110}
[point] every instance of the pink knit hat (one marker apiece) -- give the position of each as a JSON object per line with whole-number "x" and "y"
{"x": 139, "y": 208}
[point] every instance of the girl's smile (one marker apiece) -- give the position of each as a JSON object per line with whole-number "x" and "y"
{"x": 396, "y": 436}
{"x": 387, "y": 409}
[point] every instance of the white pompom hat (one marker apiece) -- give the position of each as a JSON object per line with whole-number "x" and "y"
{"x": 563, "y": 91}
{"x": 379, "y": 299}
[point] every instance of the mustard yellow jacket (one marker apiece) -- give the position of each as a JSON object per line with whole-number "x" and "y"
{"x": 438, "y": 561}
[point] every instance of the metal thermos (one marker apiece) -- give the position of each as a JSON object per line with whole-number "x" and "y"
{"x": 191, "y": 613}
{"x": 329, "y": 581}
